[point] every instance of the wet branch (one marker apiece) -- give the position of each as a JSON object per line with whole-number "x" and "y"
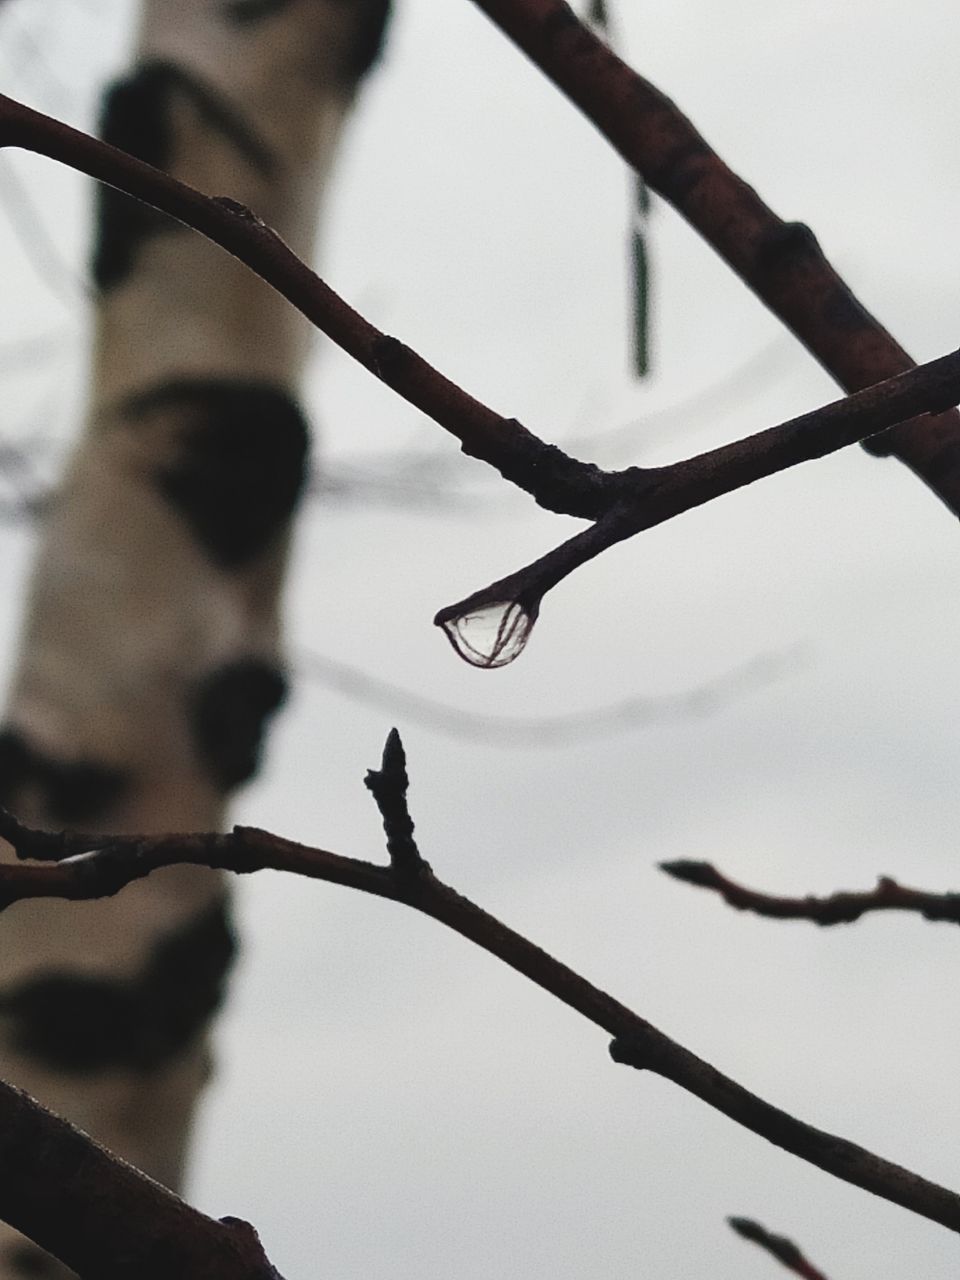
{"x": 622, "y": 503}
{"x": 779, "y": 1247}
{"x": 665, "y": 492}
{"x": 96, "y": 866}
{"x": 780, "y": 261}
{"x": 835, "y": 908}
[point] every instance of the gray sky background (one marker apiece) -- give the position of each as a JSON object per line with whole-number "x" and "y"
{"x": 391, "y": 1102}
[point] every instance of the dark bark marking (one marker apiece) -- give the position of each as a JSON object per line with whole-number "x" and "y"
{"x": 229, "y": 714}
{"x": 370, "y": 19}
{"x": 80, "y": 1024}
{"x": 242, "y": 462}
{"x": 136, "y": 118}
{"x": 74, "y": 792}
{"x": 370, "y": 36}
{"x": 251, "y": 11}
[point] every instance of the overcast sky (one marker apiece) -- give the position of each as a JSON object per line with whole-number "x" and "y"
{"x": 390, "y": 1102}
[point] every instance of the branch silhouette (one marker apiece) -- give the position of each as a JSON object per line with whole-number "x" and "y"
{"x": 780, "y": 261}
{"x": 779, "y": 1247}
{"x": 622, "y": 503}
{"x": 89, "y": 866}
{"x": 835, "y": 908}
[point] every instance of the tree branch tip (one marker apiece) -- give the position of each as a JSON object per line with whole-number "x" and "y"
{"x": 689, "y": 871}
{"x": 745, "y": 1227}
{"x": 392, "y": 774}
{"x": 388, "y": 785}
{"x": 394, "y": 759}
{"x": 779, "y": 1247}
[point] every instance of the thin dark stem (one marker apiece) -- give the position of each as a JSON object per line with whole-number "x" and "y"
{"x": 778, "y": 1247}
{"x": 780, "y": 261}
{"x": 563, "y": 728}
{"x": 114, "y": 862}
{"x": 836, "y": 908}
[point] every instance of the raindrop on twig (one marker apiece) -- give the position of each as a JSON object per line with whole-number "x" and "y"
{"x": 492, "y": 635}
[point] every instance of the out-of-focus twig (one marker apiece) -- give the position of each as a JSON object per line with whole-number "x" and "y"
{"x": 558, "y": 730}
{"x": 778, "y": 1247}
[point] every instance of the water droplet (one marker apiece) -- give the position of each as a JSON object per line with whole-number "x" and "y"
{"x": 493, "y": 635}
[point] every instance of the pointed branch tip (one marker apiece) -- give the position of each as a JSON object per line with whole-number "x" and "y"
{"x": 388, "y": 785}
{"x": 691, "y": 872}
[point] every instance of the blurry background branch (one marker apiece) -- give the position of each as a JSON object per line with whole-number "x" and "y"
{"x": 779, "y": 1247}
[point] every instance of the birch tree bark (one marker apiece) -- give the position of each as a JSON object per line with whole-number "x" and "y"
{"x": 149, "y": 663}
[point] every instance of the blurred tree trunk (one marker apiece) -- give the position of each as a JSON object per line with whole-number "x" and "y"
{"x": 149, "y": 663}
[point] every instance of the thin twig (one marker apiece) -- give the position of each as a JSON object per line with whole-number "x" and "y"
{"x": 563, "y": 728}
{"x": 97, "y": 866}
{"x": 836, "y": 908}
{"x": 779, "y": 1247}
{"x": 670, "y": 491}
{"x": 780, "y": 261}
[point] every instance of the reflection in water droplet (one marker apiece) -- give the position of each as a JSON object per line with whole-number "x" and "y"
{"x": 491, "y": 636}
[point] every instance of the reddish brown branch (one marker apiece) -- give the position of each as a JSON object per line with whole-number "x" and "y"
{"x": 779, "y": 1247}
{"x": 780, "y": 261}
{"x": 112, "y": 863}
{"x": 669, "y": 491}
{"x": 836, "y": 908}
{"x": 622, "y": 502}
{"x": 556, "y": 481}
{"x": 101, "y": 1217}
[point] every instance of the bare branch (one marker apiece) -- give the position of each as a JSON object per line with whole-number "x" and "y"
{"x": 622, "y": 503}
{"x": 558, "y": 482}
{"x": 780, "y": 261}
{"x": 665, "y": 492}
{"x": 779, "y": 1247}
{"x": 96, "y": 866}
{"x": 837, "y": 908}
{"x": 103, "y": 1218}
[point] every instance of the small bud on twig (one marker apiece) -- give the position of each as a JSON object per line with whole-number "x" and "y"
{"x": 388, "y": 786}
